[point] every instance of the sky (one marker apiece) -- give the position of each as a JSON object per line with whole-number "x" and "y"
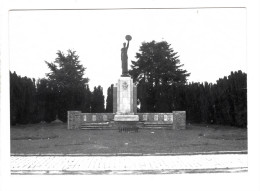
{"x": 211, "y": 42}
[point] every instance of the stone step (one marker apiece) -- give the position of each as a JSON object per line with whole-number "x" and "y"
{"x": 97, "y": 128}
{"x": 147, "y": 123}
{"x": 125, "y": 124}
{"x": 97, "y": 123}
{"x": 102, "y": 125}
{"x": 157, "y": 126}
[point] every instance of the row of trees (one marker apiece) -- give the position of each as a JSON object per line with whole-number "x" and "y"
{"x": 50, "y": 98}
{"x": 161, "y": 87}
{"x": 224, "y": 102}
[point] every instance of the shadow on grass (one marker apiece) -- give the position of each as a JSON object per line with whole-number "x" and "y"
{"x": 34, "y": 137}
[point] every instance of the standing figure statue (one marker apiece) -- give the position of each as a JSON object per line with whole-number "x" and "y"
{"x": 124, "y": 56}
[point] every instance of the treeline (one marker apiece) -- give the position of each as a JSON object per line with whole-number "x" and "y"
{"x": 34, "y": 101}
{"x": 224, "y": 102}
{"x": 161, "y": 87}
{"x": 64, "y": 88}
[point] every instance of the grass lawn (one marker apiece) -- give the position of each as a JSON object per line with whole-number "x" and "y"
{"x": 55, "y": 138}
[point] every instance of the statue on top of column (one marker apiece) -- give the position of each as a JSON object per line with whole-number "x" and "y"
{"x": 124, "y": 56}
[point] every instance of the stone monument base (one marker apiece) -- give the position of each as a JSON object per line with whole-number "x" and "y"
{"x": 175, "y": 120}
{"x": 130, "y": 117}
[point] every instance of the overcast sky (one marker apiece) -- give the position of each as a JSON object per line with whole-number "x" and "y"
{"x": 210, "y": 42}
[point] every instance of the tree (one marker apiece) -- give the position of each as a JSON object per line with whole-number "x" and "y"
{"x": 231, "y": 99}
{"x": 238, "y": 81}
{"x": 157, "y": 69}
{"x": 109, "y": 101}
{"x": 45, "y": 101}
{"x": 15, "y": 98}
{"x": 97, "y": 102}
{"x": 67, "y": 81}
{"x": 87, "y": 98}
{"x": 22, "y": 99}
{"x": 222, "y": 103}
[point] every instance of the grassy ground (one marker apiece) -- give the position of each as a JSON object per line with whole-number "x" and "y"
{"x": 55, "y": 138}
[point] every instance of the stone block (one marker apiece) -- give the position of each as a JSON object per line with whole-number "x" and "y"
{"x": 160, "y": 117}
{"x": 97, "y": 117}
{"x": 104, "y": 117}
{"x": 179, "y": 120}
{"x": 94, "y": 117}
{"x": 74, "y": 119}
{"x": 170, "y": 117}
{"x": 126, "y": 118}
{"x": 157, "y": 118}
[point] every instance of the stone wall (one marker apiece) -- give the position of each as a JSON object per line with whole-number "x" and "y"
{"x": 176, "y": 119}
{"x": 158, "y": 118}
{"x": 96, "y": 117}
{"x": 74, "y": 119}
{"x": 179, "y": 120}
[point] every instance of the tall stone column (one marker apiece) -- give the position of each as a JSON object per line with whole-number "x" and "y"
{"x": 125, "y": 96}
{"x": 125, "y": 100}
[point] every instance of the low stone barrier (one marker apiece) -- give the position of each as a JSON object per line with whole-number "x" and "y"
{"x": 174, "y": 120}
{"x": 179, "y": 120}
{"x": 96, "y": 117}
{"x": 74, "y": 119}
{"x": 157, "y": 118}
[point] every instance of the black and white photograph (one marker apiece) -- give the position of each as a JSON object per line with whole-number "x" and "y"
{"x": 127, "y": 95}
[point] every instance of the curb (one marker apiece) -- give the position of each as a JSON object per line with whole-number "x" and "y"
{"x": 129, "y": 172}
{"x": 134, "y": 154}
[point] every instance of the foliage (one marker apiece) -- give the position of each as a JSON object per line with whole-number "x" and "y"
{"x": 45, "y": 101}
{"x": 222, "y": 103}
{"x": 65, "y": 88}
{"x": 97, "y": 101}
{"x": 156, "y": 72}
{"x": 22, "y": 99}
{"x": 48, "y": 99}
{"x": 109, "y": 100}
{"x": 67, "y": 81}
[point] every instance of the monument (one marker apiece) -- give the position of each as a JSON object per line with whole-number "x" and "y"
{"x": 125, "y": 116}
{"x": 125, "y": 91}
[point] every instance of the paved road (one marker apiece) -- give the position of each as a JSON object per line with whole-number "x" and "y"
{"x": 199, "y": 163}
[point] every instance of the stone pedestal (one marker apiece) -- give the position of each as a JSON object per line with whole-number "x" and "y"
{"x": 125, "y": 100}
{"x": 125, "y": 96}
